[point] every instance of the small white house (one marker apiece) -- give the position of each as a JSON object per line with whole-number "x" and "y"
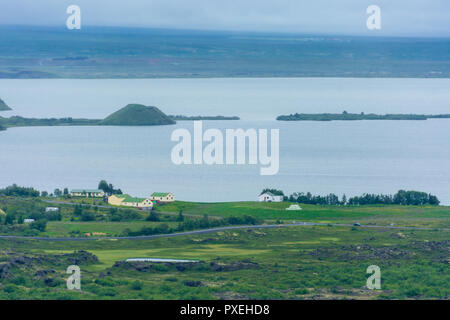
{"x": 51, "y": 209}
{"x": 269, "y": 197}
{"x": 28, "y": 220}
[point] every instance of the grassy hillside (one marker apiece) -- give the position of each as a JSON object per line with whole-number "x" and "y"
{"x": 137, "y": 115}
{"x": 425, "y": 216}
{"x": 4, "y": 106}
{"x": 286, "y": 263}
{"x": 302, "y": 262}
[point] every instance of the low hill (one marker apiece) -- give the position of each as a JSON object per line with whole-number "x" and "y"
{"x": 137, "y": 115}
{"x": 4, "y": 106}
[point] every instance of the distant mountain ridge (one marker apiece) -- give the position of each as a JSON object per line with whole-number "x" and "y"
{"x": 4, "y": 106}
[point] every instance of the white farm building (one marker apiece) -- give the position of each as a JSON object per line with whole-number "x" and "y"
{"x": 269, "y": 197}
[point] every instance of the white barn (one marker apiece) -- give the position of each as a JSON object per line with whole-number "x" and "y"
{"x": 269, "y": 197}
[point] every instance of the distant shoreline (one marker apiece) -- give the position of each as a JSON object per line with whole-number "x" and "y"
{"x": 345, "y": 116}
{"x": 193, "y": 118}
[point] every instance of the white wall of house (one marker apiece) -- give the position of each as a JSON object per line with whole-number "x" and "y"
{"x": 267, "y": 197}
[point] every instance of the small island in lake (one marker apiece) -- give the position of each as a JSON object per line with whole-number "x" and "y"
{"x": 137, "y": 115}
{"x": 191, "y": 118}
{"x": 4, "y": 106}
{"x": 357, "y": 116}
{"x": 131, "y": 115}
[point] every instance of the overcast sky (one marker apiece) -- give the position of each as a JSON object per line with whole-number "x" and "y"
{"x": 399, "y": 17}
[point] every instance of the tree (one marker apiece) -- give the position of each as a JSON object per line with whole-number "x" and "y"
{"x": 108, "y": 188}
{"x": 77, "y": 211}
{"x": 57, "y": 192}
{"x": 180, "y": 216}
{"x": 153, "y": 217}
{"x": 9, "y": 219}
{"x": 66, "y": 191}
{"x": 344, "y": 200}
{"x": 103, "y": 185}
{"x": 40, "y": 225}
{"x": 44, "y": 194}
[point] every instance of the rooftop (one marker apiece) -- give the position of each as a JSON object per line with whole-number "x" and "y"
{"x": 159, "y": 194}
{"x": 128, "y": 198}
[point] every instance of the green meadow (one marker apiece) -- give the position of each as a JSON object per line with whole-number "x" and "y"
{"x": 413, "y": 216}
{"x": 305, "y": 262}
{"x": 296, "y": 262}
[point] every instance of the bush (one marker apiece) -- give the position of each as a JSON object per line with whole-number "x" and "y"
{"x": 137, "y": 285}
{"x": 39, "y": 225}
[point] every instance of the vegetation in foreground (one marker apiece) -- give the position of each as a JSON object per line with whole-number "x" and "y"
{"x": 302, "y": 262}
{"x": 307, "y": 262}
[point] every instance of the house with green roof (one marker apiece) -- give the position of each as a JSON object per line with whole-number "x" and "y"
{"x": 162, "y": 197}
{"x": 129, "y": 201}
{"x": 87, "y": 193}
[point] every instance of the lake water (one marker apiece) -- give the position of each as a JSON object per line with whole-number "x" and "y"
{"x": 320, "y": 157}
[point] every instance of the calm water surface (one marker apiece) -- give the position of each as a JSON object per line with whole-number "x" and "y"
{"x": 320, "y": 157}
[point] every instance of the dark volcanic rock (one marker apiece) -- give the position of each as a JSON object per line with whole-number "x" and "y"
{"x": 80, "y": 257}
{"x": 4, "y": 271}
{"x": 143, "y": 266}
{"x": 43, "y": 273}
{"x": 234, "y": 266}
{"x": 192, "y": 283}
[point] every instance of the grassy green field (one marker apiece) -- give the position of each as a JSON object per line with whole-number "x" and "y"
{"x": 66, "y": 228}
{"x": 312, "y": 262}
{"x": 302, "y": 262}
{"x": 414, "y": 216}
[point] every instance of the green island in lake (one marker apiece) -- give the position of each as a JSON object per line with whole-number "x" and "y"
{"x": 4, "y": 106}
{"x": 357, "y": 116}
{"x": 130, "y": 115}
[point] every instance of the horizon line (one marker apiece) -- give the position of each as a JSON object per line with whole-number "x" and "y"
{"x": 231, "y": 31}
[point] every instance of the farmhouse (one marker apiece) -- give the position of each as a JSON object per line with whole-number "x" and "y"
{"x": 269, "y": 197}
{"x": 28, "y": 220}
{"x": 162, "y": 197}
{"x": 88, "y": 193}
{"x": 51, "y": 209}
{"x": 129, "y": 201}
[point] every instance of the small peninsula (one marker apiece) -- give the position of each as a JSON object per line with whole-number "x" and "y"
{"x": 131, "y": 115}
{"x": 191, "y": 118}
{"x": 4, "y": 106}
{"x": 345, "y": 116}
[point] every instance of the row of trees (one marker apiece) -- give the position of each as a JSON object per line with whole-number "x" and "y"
{"x": 402, "y": 197}
{"x": 17, "y": 191}
{"x": 108, "y": 188}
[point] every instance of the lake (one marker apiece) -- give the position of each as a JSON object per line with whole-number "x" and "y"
{"x": 320, "y": 157}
